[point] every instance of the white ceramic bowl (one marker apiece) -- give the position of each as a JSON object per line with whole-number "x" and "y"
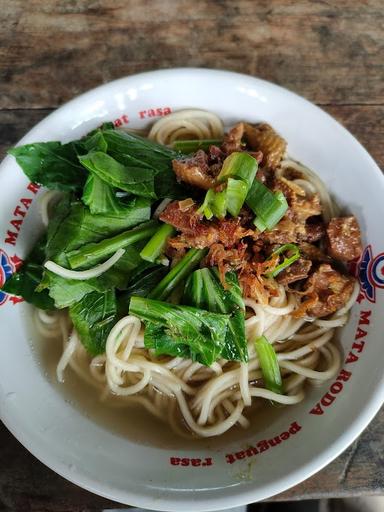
{"x": 324, "y": 424}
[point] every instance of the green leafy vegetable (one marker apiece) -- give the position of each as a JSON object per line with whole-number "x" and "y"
{"x": 269, "y": 365}
{"x": 73, "y": 225}
{"x": 24, "y": 282}
{"x": 204, "y": 290}
{"x": 67, "y": 292}
{"x": 140, "y": 282}
{"x": 136, "y": 179}
{"x": 90, "y": 254}
{"x": 203, "y": 332}
{"x": 157, "y": 338}
{"x": 100, "y": 197}
{"x": 294, "y": 254}
{"x": 136, "y": 152}
{"x": 51, "y": 164}
{"x": 179, "y": 272}
{"x": 124, "y": 146}
{"x": 93, "y": 318}
{"x": 157, "y": 243}
{"x": 93, "y": 141}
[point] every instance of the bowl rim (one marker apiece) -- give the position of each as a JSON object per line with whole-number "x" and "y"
{"x": 237, "y": 496}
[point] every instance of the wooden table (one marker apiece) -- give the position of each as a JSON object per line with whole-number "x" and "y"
{"x": 330, "y": 52}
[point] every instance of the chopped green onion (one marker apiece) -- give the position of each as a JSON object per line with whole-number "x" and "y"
{"x": 287, "y": 261}
{"x": 218, "y": 204}
{"x": 261, "y": 226}
{"x": 92, "y": 253}
{"x": 180, "y": 271}
{"x": 269, "y": 365}
{"x": 241, "y": 166}
{"x": 236, "y": 193}
{"x": 215, "y": 204}
{"x": 155, "y": 246}
{"x": 268, "y": 206}
{"x": 237, "y": 175}
{"x": 191, "y": 146}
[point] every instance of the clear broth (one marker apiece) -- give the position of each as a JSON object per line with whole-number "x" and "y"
{"x": 133, "y": 421}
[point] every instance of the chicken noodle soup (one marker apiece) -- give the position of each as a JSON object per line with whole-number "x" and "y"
{"x": 193, "y": 273}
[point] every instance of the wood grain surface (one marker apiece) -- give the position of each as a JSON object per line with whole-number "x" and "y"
{"x": 330, "y": 52}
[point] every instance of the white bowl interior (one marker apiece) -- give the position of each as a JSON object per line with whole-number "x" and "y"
{"x": 106, "y": 463}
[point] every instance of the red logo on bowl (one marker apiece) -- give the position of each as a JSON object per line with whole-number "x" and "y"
{"x": 8, "y": 265}
{"x": 370, "y": 272}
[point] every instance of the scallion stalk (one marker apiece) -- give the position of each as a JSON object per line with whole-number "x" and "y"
{"x": 241, "y": 166}
{"x": 269, "y": 365}
{"x": 236, "y": 193}
{"x": 237, "y": 175}
{"x": 92, "y": 253}
{"x": 155, "y": 246}
{"x": 215, "y": 204}
{"x": 179, "y": 272}
{"x": 287, "y": 261}
{"x": 268, "y": 206}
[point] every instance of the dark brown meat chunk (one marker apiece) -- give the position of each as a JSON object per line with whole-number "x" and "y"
{"x": 285, "y": 232}
{"x": 194, "y": 170}
{"x": 331, "y": 288}
{"x": 233, "y": 139}
{"x": 295, "y": 272}
{"x": 343, "y": 238}
{"x": 313, "y": 253}
{"x": 313, "y": 232}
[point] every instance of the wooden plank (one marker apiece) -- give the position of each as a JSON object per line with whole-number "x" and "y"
{"x": 331, "y": 52}
{"x": 366, "y": 123}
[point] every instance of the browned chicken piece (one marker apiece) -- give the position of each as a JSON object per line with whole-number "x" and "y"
{"x": 199, "y": 233}
{"x": 295, "y": 272}
{"x": 194, "y": 170}
{"x": 285, "y": 232}
{"x": 303, "y": 208}
{"x": 313, "y": 253}
{"x": 289, "y": 189}
{"x": 233, "y": 139}
{"x": 185, "y": 221}
{"x": 262, "y": 137}
{"x": 331, "y": 288}
{"x": 344, "y": 239}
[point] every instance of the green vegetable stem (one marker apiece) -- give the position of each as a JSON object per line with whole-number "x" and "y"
{"x": 179, "y": 272}
{"x": 92, "y": 253}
